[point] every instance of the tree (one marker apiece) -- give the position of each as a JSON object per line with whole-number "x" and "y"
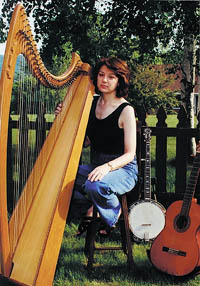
{"x": 59, "y": 21}
{"x": 189, "y": 66}
{"x": 124, "y": 27}
{"x": 150, "y": 88}
{"x": 139, "y": 31}
{"x": 172, "y": 24}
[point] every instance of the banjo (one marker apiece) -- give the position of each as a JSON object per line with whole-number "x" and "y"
{"x": 146, "y": 217}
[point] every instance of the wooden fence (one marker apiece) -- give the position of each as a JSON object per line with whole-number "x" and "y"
{"x": 182, "y": 161}
{"x": 181, "y": 132}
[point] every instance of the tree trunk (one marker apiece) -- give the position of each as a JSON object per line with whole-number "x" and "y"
{"x": 188, "y": 68}
{"x": 198, "y": 104}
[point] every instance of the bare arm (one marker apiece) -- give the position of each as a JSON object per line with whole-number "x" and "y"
{"x": 127, "y": 121}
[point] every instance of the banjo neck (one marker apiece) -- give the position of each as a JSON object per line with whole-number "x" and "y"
{"x": 147, "y": 169}
{"x": 147, "y": 216}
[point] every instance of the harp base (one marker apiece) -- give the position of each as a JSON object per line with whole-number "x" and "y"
{"x": 5, "y": 281}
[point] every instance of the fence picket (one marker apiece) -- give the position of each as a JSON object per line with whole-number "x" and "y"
{"x": 181, "y": 132}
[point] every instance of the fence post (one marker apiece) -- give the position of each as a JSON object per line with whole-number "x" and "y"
{"x": 161, "y": 151}
{"x": 40, "y": 129}
{"x": 23, "y": 148}
{"x": 182, "y": 141}
{"x": 141, "y": 114}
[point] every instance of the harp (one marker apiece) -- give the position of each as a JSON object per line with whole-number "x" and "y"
{"x": 31, "y": 237}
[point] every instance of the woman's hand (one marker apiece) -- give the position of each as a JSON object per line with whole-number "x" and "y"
{"x": 98, "y": 173}
{"x": 58, "y": 109}
{"x": 86, "y": 142}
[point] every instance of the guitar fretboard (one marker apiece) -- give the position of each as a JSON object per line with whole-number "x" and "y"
{"x": 191, "y": 186}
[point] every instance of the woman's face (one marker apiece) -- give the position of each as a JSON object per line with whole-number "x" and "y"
{"x": 107, "y": 81}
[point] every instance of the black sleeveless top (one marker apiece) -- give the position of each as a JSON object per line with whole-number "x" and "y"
{"x": 104, "y": 134}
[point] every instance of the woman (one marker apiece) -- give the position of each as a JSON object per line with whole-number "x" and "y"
{"x": 111, "y": 133}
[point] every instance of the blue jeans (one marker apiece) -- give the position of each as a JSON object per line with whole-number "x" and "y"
{"x": 104, "y": 193}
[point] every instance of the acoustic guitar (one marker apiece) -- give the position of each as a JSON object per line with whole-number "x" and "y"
{"x": 147, "y": 216}
{"x": 176, "y": 249}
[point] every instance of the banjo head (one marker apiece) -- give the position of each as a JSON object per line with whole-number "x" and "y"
{"x": 146, "y": 220}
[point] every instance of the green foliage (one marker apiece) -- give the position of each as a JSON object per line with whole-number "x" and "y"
{"x": 150, "y": 88}
{"x": 61, "y": 62}
{"x": 141, "y": 32}
{"x": 59, "y": 65}
{"x": 155, "y": 23}
{"x": 27, "y": 91}
{"x": 119, "y": 27}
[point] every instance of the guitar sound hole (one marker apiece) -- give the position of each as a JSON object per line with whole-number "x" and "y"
{"x": 181, "y": 222}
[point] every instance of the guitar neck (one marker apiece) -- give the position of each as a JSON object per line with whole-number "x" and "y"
{"x": 191, "y": 186}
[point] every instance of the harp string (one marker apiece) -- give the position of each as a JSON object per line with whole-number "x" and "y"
{"x": 30, "y": 90}
{"x": 17, "y": 160}
{"x": 20, "y": 154}
{"x": 27, "y": 147}
{"x": 43, "y": 190}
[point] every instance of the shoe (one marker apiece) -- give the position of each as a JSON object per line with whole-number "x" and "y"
{"x": 105, "y": 230}
{"x": 83, "y": 226}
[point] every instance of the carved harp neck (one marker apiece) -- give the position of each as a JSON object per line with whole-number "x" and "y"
{"x": 21, "y": 41}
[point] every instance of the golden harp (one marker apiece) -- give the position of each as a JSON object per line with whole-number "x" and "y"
{"x": 30, "y": 239}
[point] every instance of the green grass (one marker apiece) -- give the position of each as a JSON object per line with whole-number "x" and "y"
{"x": 171, "y": 120}
{"x": 110, "y": 268}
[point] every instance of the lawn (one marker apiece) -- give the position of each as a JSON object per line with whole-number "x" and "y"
{"x": 110, "y": 268}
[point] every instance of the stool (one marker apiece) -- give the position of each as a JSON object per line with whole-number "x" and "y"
{"x": 126, "y": 243}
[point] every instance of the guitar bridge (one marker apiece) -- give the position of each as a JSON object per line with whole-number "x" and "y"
{"x": 174, "y": 251}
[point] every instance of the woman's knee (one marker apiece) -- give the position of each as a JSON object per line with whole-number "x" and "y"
{"x": 90, "y": 187}
{"x": 97, "y": 188}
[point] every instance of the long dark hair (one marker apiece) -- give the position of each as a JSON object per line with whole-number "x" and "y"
{"x": 120, "y": 69}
